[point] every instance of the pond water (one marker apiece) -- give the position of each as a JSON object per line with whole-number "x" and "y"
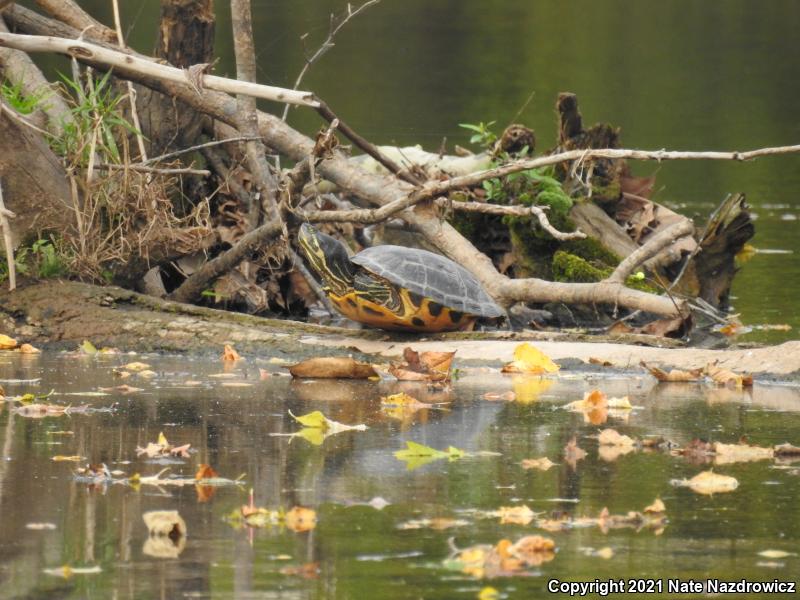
{"x": 367, "y": 501}
{"x": 680, "y": 75}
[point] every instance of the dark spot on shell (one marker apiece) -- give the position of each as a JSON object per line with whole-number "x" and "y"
{"x": 435, "y": 309}
{"x": 415, "y": 298}
{"x": 418, "y": 322}
{"x": 455, "y": 316}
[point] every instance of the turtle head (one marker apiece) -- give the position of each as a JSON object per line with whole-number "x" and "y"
{"x": 328, "y": 258}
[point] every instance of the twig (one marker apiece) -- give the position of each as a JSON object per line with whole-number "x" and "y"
{"x": 12, "y": 272}
{"x": 133, "y": 63}
{"x": 147, "y": 169}
{"x": 326, "y": 45}
{"x": 241, "y": 138}
{"x": 131, "y": 91}
{"x": 326, "y": 113}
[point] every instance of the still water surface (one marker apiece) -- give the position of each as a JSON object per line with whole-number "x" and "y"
{"x": 363, "y": 495}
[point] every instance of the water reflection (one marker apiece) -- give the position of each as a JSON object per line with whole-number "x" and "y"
{"x": 363, "y": 495}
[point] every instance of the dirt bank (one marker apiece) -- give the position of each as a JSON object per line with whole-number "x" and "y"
{"x": 60, "y": 315}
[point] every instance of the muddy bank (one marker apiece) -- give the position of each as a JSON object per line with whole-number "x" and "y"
{"x": 60, "y": 315}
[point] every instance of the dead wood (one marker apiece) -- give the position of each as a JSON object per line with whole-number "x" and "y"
{"x": 255, "y": 152}
{"x": 34, "y": 181}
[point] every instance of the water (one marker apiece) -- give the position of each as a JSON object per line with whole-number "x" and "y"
{"x": 360, "y": 550}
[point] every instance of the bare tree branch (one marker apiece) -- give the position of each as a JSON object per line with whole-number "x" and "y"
{"x": 9, "y": 246}
{"x": 134, "y": 63}
{"x": 653, "y": 246}
{"x": 326, "y": 45}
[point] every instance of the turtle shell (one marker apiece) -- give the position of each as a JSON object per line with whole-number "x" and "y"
{"x": 431, "y": 276}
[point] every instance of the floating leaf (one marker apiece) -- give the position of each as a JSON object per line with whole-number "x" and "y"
{"x": 28, "y": 349}
{"x": 338, "y": 367}
{"x": 300, "y": 519}
{"x": 66, "y": 571}
{"x": 515, "y": 515}
{"x": 732, "y": 453}
{"x": 572, "y": 453}
{"x": 709, "y": 483}
{"x": 728, "y": 378}
{"x": 657, "y": 507}
{"x": 542, "y": 464}
{"x": 167, "y": 533}
{"x": 776, "y": 554}
{"x": 674, "y": 375}
{"x": 229, "y": 354}
{"x": 417, "y": 455}
{"x": 611, "y": 437}
{"x": 40, "y": 526}
{"x": 62, "y": 458}
{"x": 87, "y": 347}
{"x": 439, "y": 524}
{"x": 528, "y": 359}
{"x": 205, "y": 471}
{"x": 508, "y": 396}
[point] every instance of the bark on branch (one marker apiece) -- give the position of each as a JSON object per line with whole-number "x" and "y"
{"x": 132, "y": 63}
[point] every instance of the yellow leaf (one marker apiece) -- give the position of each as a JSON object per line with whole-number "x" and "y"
{"x": 136, "y": 366}
{"x": 62, "y": 458}
{"x": 87, "y": 347}
{"x": 528, "y": 359}
{"x": 488, "y": 593}
{"x": 162, "y": 439}
{"x": 313, "y": 435}
{"x": 657, "y": 507}
{"x": 776, "y": 554}
{"x": 313, "y": 419}
{"x": 605, "y": 553}
{"x": 528, "y": 389}
{"x": 229, "y": 353}
{"x": 7, "y": 343}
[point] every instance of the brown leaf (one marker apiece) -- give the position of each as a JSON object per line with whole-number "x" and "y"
{"x": 611, "y": 437}
{"x": 425, "y": 366}
{"x": 728, "y": 378}
{"x": 572, "y": 453}
{"x": 600, "y": 361}
{"x": 205, "y": 472}
{"x": 786, "y": 450}
{"x": 333, "y": 367}
{"x": 674, "y": 374}
{"x": 533, "y": 550}
{"x": 709, "y": 483}
{"x": 28, "y": 349}
{"x": 515, "y": 515}
{"x": 229, "y": 354}
{"x": 657, "y": 507}
{"x": 542, "y": 464}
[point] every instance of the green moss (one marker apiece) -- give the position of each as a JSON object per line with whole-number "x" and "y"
{"x": 567, "y": 267}
{"x": 606, "y": 193}
{"x": 592, "y": 250}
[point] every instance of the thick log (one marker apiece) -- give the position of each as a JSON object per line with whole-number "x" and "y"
{"x": 34, "y": 182}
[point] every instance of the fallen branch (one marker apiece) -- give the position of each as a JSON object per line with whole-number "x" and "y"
{"x": 194, "y": 285}
{"x": 241, "y": 138}
{"x": 438, "y": 188}
{"x": 89, "y": 52}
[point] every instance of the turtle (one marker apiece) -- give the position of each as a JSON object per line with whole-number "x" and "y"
{"x": 397, "y": 288}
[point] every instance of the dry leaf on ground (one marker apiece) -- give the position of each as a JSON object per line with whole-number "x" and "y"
{"x": 528, "y": 359}
{"x": 332, "y": 367}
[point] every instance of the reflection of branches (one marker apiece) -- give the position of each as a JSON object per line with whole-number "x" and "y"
{"x": 327, "y": 44}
